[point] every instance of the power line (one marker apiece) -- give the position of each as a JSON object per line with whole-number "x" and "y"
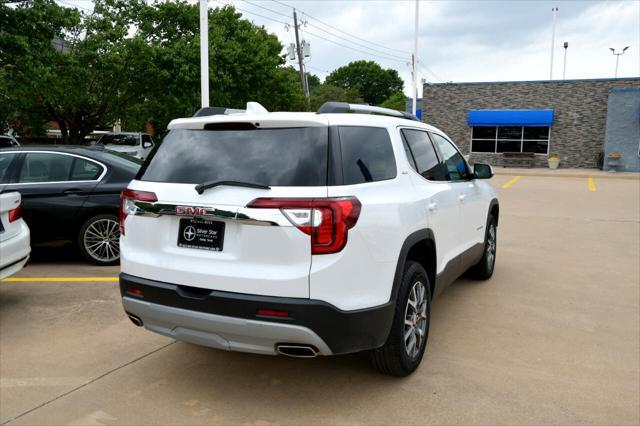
{"x": 395, "y": 50}
{"x": 252, "y": 13}
{"x": 428, "y": 70}
{"x": 317, "y": 69}
{"x": 353, "y": 48}
{"x": 74, "y": 6}
{"x": 389, "y": 58}
{"x": 327, "y": 32}
{"x": 266, "y": 8}
{"x": 359, "y": 44}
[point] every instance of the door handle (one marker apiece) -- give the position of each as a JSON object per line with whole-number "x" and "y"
{"x": 461, "y": 197}
{"x": 72, "y": 191}
{"x": 432, "y": 207}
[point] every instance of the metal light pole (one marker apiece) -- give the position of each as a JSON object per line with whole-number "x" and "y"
{"x": 553, "y": 40}
{"x": 204, "y": 54}
{"x": 564, "y": 67}
{"x": 618, "y": 57}
{"x": 414, "y": 60}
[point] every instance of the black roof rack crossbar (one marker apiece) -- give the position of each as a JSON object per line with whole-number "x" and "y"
{"x": 343, "y": 107}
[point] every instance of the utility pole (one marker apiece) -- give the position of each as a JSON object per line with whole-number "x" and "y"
{"x": 553, "y": 40}
{"x": 414, "y": 60}
{"x": 564, "y": 67}
{"x": 303, "y": 79}
{"x": 204, "y": 54}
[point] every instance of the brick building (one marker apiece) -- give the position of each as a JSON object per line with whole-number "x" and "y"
{"x": 566, "y": 118}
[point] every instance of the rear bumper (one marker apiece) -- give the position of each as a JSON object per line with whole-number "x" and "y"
{"x": 230, "y": 321}
{"x": 15, "y": 251}
{"x": 220, "y": 332}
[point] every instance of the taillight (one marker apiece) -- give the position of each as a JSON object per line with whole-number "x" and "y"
{"x": 135, "y": 291}
{"x": 16, "y": 213}
{"x": 272, "y": 313}
{"x": 128, "y": 206}
{"x": 326, "y": 220}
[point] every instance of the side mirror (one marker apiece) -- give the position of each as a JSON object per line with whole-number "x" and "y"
{"x": 146, "y": 144}
{"x": 482, "y": 171}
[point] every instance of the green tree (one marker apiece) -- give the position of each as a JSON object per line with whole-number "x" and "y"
{"x": 328, "y": 93}
{"x": 83, "y": 84}
{"x": 314, "y": 82}
{"x": 373, "y": 83}
{"x": 397, "y": 101}
{"x": 134, "y": 62}
{"x": 244, "y": 62}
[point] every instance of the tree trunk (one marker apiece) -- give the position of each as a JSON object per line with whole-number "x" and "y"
{"x": 64, "y": 131}
{"x": 78, "y": 131}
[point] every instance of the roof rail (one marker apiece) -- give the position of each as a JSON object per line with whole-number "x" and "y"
{"x": 343, "y": 107}
{"x": 252, "y": 108}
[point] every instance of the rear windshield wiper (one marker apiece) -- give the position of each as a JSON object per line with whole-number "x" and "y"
{"x": 200, "y": 188}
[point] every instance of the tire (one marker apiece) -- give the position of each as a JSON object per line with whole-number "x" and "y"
{"x": 483, "y": 270}
{"x": 99, "y": 240}
{"x": 397, "y": 357}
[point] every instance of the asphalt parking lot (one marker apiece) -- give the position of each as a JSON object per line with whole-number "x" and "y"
{"x": 552, "y": 338}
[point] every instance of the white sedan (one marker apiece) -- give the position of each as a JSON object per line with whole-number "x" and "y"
{"x": 14, "y": 235}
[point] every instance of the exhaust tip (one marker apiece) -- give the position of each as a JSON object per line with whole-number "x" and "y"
{"x": 297, "y": 351}
{"x": 136, "y": 320}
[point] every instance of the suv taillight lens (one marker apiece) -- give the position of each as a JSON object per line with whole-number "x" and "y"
{"x": 127, "y": 203}
{"x": 326, "y": 220}
{"x": 16, "y": 213}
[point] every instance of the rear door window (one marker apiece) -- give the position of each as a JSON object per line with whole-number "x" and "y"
{"x": 422, "y": 151}
{"x": 367, "y": 154}
{"x": 45, "y": 167}
{"x": 275, "y": 157}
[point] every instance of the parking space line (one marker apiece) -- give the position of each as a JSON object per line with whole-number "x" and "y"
{"x": 58, "y": 279}
{"x": 511, "y": 182}
{"x": 592, "y": 185}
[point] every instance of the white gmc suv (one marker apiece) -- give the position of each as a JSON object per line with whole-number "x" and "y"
{"x": 303, "y": 234}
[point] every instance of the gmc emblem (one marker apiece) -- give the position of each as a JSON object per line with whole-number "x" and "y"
{"x": 192, "y": 211}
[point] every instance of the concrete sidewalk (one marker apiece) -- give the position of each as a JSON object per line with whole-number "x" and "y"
{"x": 574, "y": 173}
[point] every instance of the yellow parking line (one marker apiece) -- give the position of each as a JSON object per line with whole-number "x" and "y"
{"x": 58, "y": 279}
{"x": 511, "y": 182}
{"x": 592, "y": 185}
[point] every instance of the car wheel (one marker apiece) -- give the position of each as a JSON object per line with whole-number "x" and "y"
{"x": 404, "y": 348}
{"x": 483, "y": 270}
{"x": 99, "y": 239}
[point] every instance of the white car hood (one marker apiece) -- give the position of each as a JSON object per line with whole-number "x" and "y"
{"x": 131, "y": 150}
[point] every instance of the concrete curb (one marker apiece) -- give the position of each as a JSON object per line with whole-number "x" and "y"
{"x": 566, "y": 173}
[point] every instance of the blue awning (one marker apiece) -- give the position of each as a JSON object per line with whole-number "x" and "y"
{"x": 510, "y": 117}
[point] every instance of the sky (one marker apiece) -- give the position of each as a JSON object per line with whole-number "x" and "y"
{"x": 459, "y": 41}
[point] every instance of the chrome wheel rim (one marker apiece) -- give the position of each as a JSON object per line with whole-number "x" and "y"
{"x": 102, "y": 240}
{"x": 415, "y": 320}
{"x": 491, "y": 246}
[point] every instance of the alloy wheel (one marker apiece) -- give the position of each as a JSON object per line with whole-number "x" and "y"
{"x": 102, "y": 240}
{"x": 491, "y": 247}
{"x": 415, "y": 320}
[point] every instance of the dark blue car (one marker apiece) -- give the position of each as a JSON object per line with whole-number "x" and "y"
{"x": 70, "y": 193}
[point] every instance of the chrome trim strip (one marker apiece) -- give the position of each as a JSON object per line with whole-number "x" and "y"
{"x": 244, "y": 215}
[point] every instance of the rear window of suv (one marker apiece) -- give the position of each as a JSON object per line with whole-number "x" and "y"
{"x": 367, "y": 154}
{"x": 274, "y": 157}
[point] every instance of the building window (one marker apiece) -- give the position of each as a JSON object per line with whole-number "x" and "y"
{"x": 498, "y": 139}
